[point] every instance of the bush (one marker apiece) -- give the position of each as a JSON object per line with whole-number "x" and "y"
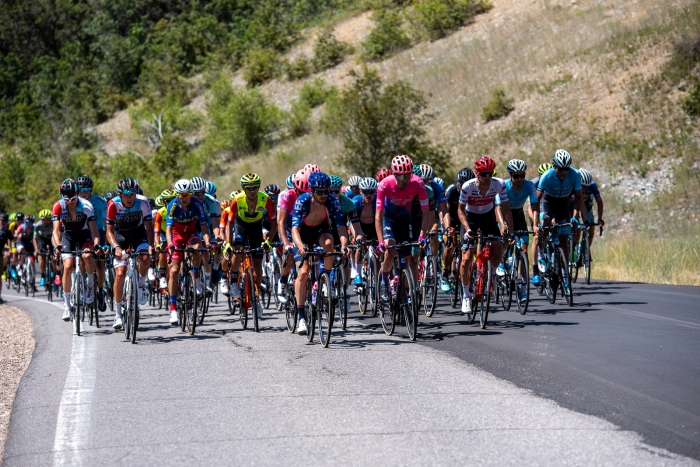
{"x": 376, "y": 124}
{"x": 328, "y": 51}
{"x": 498, "y": 107}
{"x": 261, "y": 66}
{"x": 387, "y": 37}
{"x": 298, "y": 118}
{"x": 316, "y": 93}
{"x": 691, "y": 104}
{"x": 434, "y": 19}
{"x": 298, "y": 69}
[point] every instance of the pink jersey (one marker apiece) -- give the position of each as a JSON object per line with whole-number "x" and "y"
{"x": 471, "y": 196}
{"x": 395, "y": 201}
{"x": 286, "y": 201}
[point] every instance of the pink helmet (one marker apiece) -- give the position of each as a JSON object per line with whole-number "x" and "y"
{"x": 301, "y": 181}
{"x": 402, "y": 165}
{"x": 310, "y": 168}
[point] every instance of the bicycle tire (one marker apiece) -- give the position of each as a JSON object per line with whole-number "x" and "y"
{"x": 290, "y": 313}
{"x": 340, "y": 310}
{"x": 230, "y": 301}
{"x": 265, "y": 293}
{"x": 191, "y": 318}
{"x": 324, "y": 309}
{"x": 373, "y": 284}
{"x": 276, "y": 275}
{"x": 587, "y": 260}
{"x": 95, "y": 307}
{"x": 409, "y": 305}
{"x": 110, "y": 287}
{"x": 78, "y": 300}
{"x": 204, "y": 305}
{"x": 566, "y": 279}
{"x": 522, "y": 279}
{"x": 309, "y": 312}
{"x": 429, "y": 289}
{"x": 91, "y": 313}
{"x": 253, "y": 299}
{"x": 573, "y": 269}
{"x": 126, "y": 312}
{"x": 485, "y": 300}
{"x": 385, "y": 310}
{"x": 475, "y": 305}
{"x": 185, "y": 287}
{"x": 243, "y": 311}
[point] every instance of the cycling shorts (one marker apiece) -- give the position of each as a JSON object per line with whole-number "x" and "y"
{"x": 44, "y": 244}
{"x": 311, "y": 236}
{"x": 370, "y": 231}
{"x": 400, "y": 228}
{"x": 75, "y": 240}
{"x": 520, "y": 223}
{"x": 557, "y": 209}
{"x": 248, "y": 233}
{"x": 25, "y": 246}
{"x": 136, "y": 239}
{"x": 180, "y": 241}
{"x": 485, "y": 222}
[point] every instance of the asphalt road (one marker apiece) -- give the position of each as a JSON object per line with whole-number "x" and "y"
{"x": 613, "y": 380}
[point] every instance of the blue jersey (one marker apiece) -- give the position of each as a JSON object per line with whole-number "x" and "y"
{"x": 302, "y": 208}
{"x": 185, "y": 222}
{"x": 590, "y": 193}
{"x": 555, "y": 188}
{"x": 438, "y": 193}
{"x": 212, "y": 210}
{"x": 527, "y": 190}
{"x": 359, "y": 204}
{"x": 99, "y": 205}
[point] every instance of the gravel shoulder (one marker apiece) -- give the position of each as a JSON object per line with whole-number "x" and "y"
{"x": 16, "y": 348}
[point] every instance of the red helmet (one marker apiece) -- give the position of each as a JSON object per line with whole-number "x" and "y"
{"x": 484, "y": 164}
{"x": 301, "y": 181}
{"x": 382, "y": 174}
{"x": 311, "y": 168}
{"x": 402, "y": 165}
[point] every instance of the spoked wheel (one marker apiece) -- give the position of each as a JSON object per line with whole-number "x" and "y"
{"x": 343, "y": 301}
{"x": 484, "y": 295}
{"x": 252, "y": 293}
{"x": 265, "y": 292}
{"x": 230, "y": 301}
{"x": 373, "y": 285}
{"x": 78, "y": 300}
{"x": 132, "y": 321}
{"x": 407, "y": 296}
{"x": 309, "y": 314}
{"x": 384, "y": 308}
{"x": 586, "y": 259}
{"x": 277, "y": 274}
{"x": 521, "y": 281}
{"x": 324, "y": 308}
{"x": 110, "y": 287}
{"x": 566, "y": 287}
{"x": 204, "y": 302}
{"x": 363, "y": 297}
{"x": 429, "y": 286}
{"x": 475, "y": 305}
{"x": 290, "y": 312}
{"x": 190, "y": 304}
{"x": 573, "y": 269}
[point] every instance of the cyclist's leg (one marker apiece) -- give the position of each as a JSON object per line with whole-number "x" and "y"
{"x": 100, "y": 263}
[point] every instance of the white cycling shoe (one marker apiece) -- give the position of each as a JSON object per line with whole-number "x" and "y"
{"x": 301, "y": 326}
{"x": 143, "y": 294}
{"x": 466, "y": 305}
{"x": 66, "y": 313}
{"x": 162, "y": 283}
{"x": 173, "y": 318}
{"x": 282, "y": 292}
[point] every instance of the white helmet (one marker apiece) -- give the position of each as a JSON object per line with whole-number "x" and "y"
{"x": 439, "y": 181}
{"x": 198, "y": 184}
{"x": 354, "y": 180}
{"x": 586, "y": 177}
{"x": 368, "y": 183}
{"x": 516, "y": 165}
{"x": 561, "y": 159}
{"x": 183, "y": 186}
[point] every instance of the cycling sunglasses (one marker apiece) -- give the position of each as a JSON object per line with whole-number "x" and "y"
{"x": 71, "y": 199}
{"x": 486, "y": 174}
{"x": 252, "y": 187}
{"x": 85, "y": 190}
{"x": 369, "y": 192}
{"x": 130, "y": 191}
{"x": 335, "y": 192}
{"x": 517, "y": 176}
{"x": 184, "y": 195}
{"x": 322, "y": 192}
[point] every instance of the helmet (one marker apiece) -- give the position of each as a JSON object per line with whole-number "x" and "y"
{"x": 159, "y": 201}
{"x": 561, "y": 159}
{"x": 368, "y": 183}
{"x": 336, "y": 181}
{"x": 110, "y": 195}
{"x": 234, "y": 193}
{"x": 139, "y": 190}
{"x": 426, "y": 172}
{"x": 127, "y": 186}
{"x": 301, "y": 181}
{"x": 12, "y": 216}
{"x": 310, "y": 168}
{"x": 44, "y": 213}
{"x": 439, "y": 181}
{"x": 19, "y": 217}
{"x": 30, "y": 218}
{"x": 250, "y": 179}
{"x": 354, "y": 180}
{"x": 4, "y": 217}
{"x": 167, "y": 195}
{"x": 484, "y": 164}
{"x": 290, "y": 181}
{"x": 319, "y": 180}
{"x": 84, "y": 182}
{"x": 383, "y": 173}
{"x": 225, "y": 203}
{"x": 586, "y": 177}
{"x": 68, "y": 189}
{"x": 516, "y": 165}
{"x": 416, "y": 170}
{"x": 182, "y": 186}
{"x": 544, "y": 167}
{"x": 465, "y": 175}
{"x": 401, "y": 165}
{"x": 211, "y": 188}
{"x": 198, "y": 184}
{"x": 272, "y": 190}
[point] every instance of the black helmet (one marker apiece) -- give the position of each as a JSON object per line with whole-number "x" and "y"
{"x": 84, "y": 181}
{"x": 127, "y": 186}
{"x": 30, "y": 218}
{"x": 110, "y": 195}
{"x": 139, "y": 190}
{"x": 4, "y": 217}
{"x": 19, "y": 217}
{"x": 272, "y": 189}
{"x": 152, "y": 202}
{"x": 69, "y": 188}
{"x": 465, "y": 175}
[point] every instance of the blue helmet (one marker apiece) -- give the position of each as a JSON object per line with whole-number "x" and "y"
{"x": 290, "y": 182}
{"x": 319, "y": 181}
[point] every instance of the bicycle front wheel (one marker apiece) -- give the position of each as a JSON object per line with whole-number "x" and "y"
{"x": 521, "y": 282}
{"x": 586, "y": 259}
{"x": 343, "y": 299}
{"x": 324, "y": 309}
{"x": 290, "y": 310}
{"x": 566, "y": 287}
{"x": 253, "y": 299}
{"x": 429, "y": 286}
{"x": 78, "y": 300}
{"x": 408, "y": 303}
{"x": 485, "y": 298}
{"x": 385, "y": 308}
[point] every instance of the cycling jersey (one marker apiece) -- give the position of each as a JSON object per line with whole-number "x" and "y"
{"x": 212, "y": 209}
{"x": 25, "y": 232}
{"x": 399, "y": 202}
{"x": 591, "y": 192}
{"x": 347, "y": 206}
{"x": 225, "y": 218}
{"x": 159, "y": 220}
{"x": 439, "y": 193}
{"x": 360, "y": 204}
{"x": 553, "y": 187}
{"x": 302, "y": 208}
{"x": 184, "y": 222}
{"x": 131, "y": 218}
{"x": 518, "y": 200}
{"x": 369, "y": 229}
{"x": 452, "y": 197}
{"x": 239, "y": 205}
{"x": 83, "y": 215}
{"x": 99, "y": 206}
{"x": 5, "y": 237}
{"x": 286, "y": 201}
{"x": 43, "y": 231}
{"x": 478, "y": 204}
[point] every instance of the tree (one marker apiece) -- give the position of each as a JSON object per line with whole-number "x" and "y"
{"x": 376, "y": 124}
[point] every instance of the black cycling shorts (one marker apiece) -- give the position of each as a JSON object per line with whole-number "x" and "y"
{"x": 75, "y": 240}
{"x": 485, "y": 222}
{"x": 558, "y": 209}
{"x": 248, "y": 233}
{"x": 136, "y": 239}
{"x": 311, "y": 235}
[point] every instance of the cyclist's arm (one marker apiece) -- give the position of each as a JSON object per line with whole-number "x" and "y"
{"x": 36, "y": 245}
{"x": 109, "y": 235}
{"x": 56, "y": 235}
{"x": 296, "y": 238}
{"x": 205, "y": 233}
{"x": 462, "y": 214}
{"x": 378, "y": 218}
{"x": 427, "y": 221}
{"x": 169, "y": 234}
{"x": 92, "y": 225}
{"x": 599, "y": 205}
{"x": 343, "y": 234}
{"x": 281, "y": 224}
{"x": 357, "y": 229}
{"x": 577, "y": 203}
{"x": 272, "y": 215}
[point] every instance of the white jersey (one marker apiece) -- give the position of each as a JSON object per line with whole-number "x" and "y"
{"x": 478, "y": 204}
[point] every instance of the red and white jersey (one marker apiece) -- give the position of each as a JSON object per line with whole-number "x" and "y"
{"x": 478, "y": 204}
{"x": 83, "y": 214}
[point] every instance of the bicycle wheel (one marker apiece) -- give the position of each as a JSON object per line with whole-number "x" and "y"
{"x": 476, "y": 276}
{"x": 586, "y": 259}
{"x": 485, "y": 300}
{"x": 324, "y": 308}
{"x": 429, "y": 286}
{"x": 566, "y": 287}
{"x": 229, "y": 300}
{"x": 110, "y": 286}
{"x": 343, "y": 299}
{"x": 91, "y": 317}
{"x": 253, "y": 299}
{"x": 290, "y": 311}
{"x": 241, "y": 306}
{"x": 204, "y": 303}
{"x": 48, "y": 279}
{"x": 373, "y": 285}
{"x": 276, "y": 275}
{"x": 573, "y": 268}
{"x": 521, "y": 281}
{"x": 385, "y": 309}
{"x": 78, "y": 297}
{"x": 131, "y": 299}
{"x": 94, "y": 305}
{"x": 193, "y": 309}
{"x": 506, "y": 282}
{"x": 408, "y": 304}
{"x": 309, "y": 312}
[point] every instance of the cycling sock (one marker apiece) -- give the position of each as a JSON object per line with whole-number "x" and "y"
{"x": 173, "y": 299}
{"x": 118, "y": 309}
{"x": 385, "y": 277}
{"x": 465, "y": 291}
{"x": 196, "y": 272}
{"x": 207, "y": 279}
{"x": 284, "y": 278}
{"x": 300, "y": 311}
{"x": 66, "y": 298}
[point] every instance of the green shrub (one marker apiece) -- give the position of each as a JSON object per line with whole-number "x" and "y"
{"x": 691, "y": 104}
{"x": 387, "y": 37}
{"x": 298, "y": 69}
{"x": 298, "y": 118}
{"x": 328, "y": 51}
{"x": 261, "y": 66}
{"x": 498, "y": 107}
{"x": 434, "y": 19}
{"x": 316, "y": 92}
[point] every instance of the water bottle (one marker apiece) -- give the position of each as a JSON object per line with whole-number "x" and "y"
{"x": 394, "y": 285}
{"x": 314, "y": 291}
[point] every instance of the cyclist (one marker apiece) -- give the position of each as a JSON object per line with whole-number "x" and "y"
{"x": 590, "y": 192}
{"x": 452, "y": 223}
{"x": 392, "y": 219}
{"x": 110, "y": 195}
{"x": 478, "y": 211}
{"x": 185, "y": 213}
{"x": 74, "y": 228}
{"x": 554, "y": 191}
{"x": 541, "y": 169}
{"x": 314, "y": 213}
{"x": 159, "y": 228}
{"x": 520, "y": 191}
{"x": 436, "y": 202}
{"x": 273, "y": 192}
{"x": 212, "y": 210}
{"x": 129, "y": 225}
{"x": 382, "y": 174}
{"x": 351, "y": 220}
{"x": 24, "y": 239}
{"x": 42, "y": 243}
{"x": 285, "y": 208}
{"x": 16, "y": 220}
{"x": 440, "y": 182}
{"x": 366, "y": 205}
{"x": 5, "y": 239}
{"x": 353, "y": 188}
{"x": 211, "y": 189}
{"x": 99, "y": 207}
{"x": 249, "y": 208}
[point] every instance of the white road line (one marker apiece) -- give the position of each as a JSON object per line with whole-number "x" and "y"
{"x": 641, "y": 314}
